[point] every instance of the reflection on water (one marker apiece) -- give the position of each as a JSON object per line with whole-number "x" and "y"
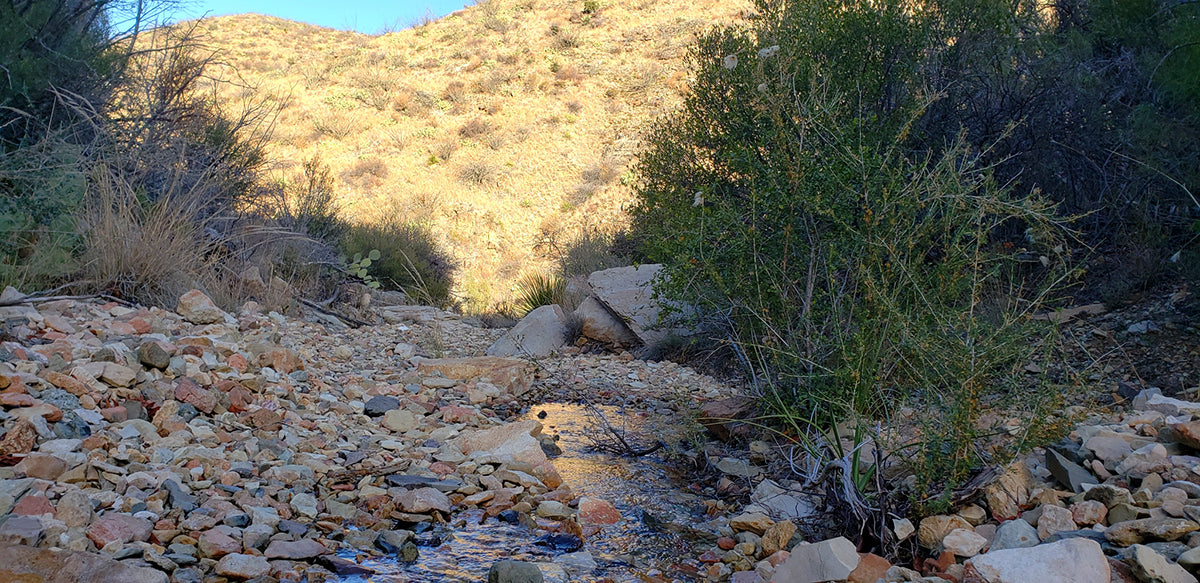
{"x": 620, "y": 550}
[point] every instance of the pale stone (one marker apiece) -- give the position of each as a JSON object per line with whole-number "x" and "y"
{"x": 1073, "y": 560}
{"x": 829, "y": 560}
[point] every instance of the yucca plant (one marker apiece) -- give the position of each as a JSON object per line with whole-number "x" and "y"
{"x": 536, "y": 289}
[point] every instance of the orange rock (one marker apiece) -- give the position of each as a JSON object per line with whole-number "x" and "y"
{"x": 597, "y": 511}
{"x": 237, "y": 362}
{"x": 871, "y": 568}
{"x": 65, "y": 382}
{"x": 17, "y": 400}
{"x": 20, "y": 439}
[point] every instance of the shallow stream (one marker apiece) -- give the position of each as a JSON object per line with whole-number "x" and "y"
{"x": 622, "y": 552}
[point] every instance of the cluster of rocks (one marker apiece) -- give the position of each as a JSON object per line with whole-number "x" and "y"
{"x": 149, "y": 445}
{"x": 1117, "y": 501}
{"x": 617, "y": 308}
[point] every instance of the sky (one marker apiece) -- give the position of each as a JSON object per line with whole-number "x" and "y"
{"x": 366, "y": 16}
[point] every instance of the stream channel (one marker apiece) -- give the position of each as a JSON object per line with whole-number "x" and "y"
{"x": 464, "y": 550}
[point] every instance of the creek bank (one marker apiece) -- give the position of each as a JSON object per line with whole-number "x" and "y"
{"x": 198, "y": 444}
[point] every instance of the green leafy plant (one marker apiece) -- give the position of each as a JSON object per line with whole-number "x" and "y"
{"x": 359, "y": 267}
{"x": 855, "y": 273}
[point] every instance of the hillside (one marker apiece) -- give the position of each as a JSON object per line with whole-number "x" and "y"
{"x": 508, "y": 126}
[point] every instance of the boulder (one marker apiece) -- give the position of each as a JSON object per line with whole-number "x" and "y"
{"x": 828, "y": 560}
{"x": 197, "y": 308}
{"x": 539, "y": 334}
{"x": 600, "y": 324}
{"x": 628, "y": 293}
{"x": 509, "y": 374}
{"x": 30, "y": 565}
{"x": 1072, "y": 560}
{"x": 515, "y": 441}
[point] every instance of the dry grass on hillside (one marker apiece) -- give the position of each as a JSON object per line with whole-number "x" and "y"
{"x": 508, "y": 126}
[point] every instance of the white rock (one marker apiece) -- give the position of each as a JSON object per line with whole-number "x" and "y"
{"x": 964, "y": 543}
{"x": 1073, "y": 560}
{"x": 828, "y": 560}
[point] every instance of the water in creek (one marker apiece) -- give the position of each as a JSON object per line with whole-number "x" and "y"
{"x": 636, "y": 487}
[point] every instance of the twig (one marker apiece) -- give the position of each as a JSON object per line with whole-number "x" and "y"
{"x": 29, "y": 299}
{"x": 624, "y": 447}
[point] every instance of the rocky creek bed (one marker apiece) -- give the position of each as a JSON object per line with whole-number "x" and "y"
{"x": 199, "y": 446}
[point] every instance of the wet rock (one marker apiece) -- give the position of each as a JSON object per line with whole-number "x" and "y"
{"x": 390, "y": 541}
{"x": 239, "y": 566}
{"x": 514, "y": 572}
{"x": 29, "y": 565}
{"x": 1149, "y": 529}
{"x": 1068, "y": 561}
{"x": 577, "y": 564}
{"x": 829, "y": 560}
{"x": 514, "y": 441}
{"x": 1151, "y": 566}
{"x": 597, "y": 511}
{"x": 561, "y": 541}
{"x": 539, "y": 334}
{"x": 380, "y": 405}
{"x": 343, "y": 568}
{"x": 553, "y": 510}
{"x": 295, "y": 550}
{"x": 198, "y": 308}
{"x": 422, "y": 500}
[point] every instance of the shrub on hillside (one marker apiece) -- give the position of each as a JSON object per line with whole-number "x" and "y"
{"x": 410, "y": 259}
{"x": 856, "y": 275}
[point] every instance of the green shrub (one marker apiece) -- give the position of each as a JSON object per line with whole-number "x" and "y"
{"x": 536, "y": 289}
{"x": 410, "y": 259}
{"x": 856, "y": 275}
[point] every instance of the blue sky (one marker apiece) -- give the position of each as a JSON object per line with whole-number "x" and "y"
{"x": 367, "y": 16}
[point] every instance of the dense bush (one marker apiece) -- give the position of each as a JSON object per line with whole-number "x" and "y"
{"x": 858, "y": 270}
{"x": 410, "y": 259}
